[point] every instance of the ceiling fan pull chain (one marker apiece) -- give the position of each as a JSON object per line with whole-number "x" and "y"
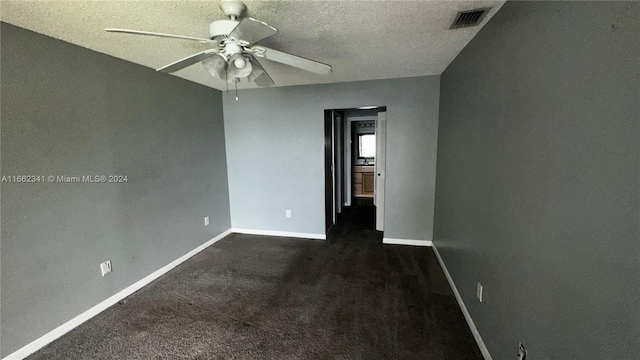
{"x": 235, "y": 82}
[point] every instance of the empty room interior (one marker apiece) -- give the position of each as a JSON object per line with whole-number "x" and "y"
{"x": 320, "y": 179}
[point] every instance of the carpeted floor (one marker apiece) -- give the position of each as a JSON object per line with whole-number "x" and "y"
{"x": 256, "y": 297}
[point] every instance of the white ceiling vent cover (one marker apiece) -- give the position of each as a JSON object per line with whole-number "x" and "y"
{"x": 469, "y": 18}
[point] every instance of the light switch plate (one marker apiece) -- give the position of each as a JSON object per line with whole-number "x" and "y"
{"x": 105, "y": 267}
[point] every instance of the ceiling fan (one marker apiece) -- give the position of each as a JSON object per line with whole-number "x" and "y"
{"x": 234, "y": 53}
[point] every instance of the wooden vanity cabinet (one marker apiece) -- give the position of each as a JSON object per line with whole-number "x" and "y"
{"x": 363, "y": 181}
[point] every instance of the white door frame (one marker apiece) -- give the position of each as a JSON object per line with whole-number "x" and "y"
{"x": 338, "y": 160}
{"x": 380, "y": 168}
{"x": 333, "y": 165}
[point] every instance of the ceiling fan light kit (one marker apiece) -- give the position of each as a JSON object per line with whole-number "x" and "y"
{"x": 234, "y": 55}
{"x": 239, "y": 67}
{"x": 217, "y": 66}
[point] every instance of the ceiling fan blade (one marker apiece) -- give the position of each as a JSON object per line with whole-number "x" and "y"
{"x": 259, "y": 74}
{"x": 292, "y": 60}
{"x": 148, "y": 33}
{"x": 252, "y": 30}
{"x": 188, "y": 61}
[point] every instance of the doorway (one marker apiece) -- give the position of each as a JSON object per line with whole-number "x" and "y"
{"x": 363, "y": 160}
{"x": 355, "y": 163}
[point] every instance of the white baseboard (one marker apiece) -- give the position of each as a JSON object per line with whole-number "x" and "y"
{"x": 467, "y": 316}
{"x": 76, "y": 321}
{"x": 279, "y": 233}
{"x": 407, "y": 242}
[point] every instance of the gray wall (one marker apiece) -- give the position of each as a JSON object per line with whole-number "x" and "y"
{"x": 276, "y": 161}
{"x": 537, "y": 179}
{"x": 71, "y": 111}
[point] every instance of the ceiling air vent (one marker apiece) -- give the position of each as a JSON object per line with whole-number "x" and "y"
{"x": 469, "y": 18}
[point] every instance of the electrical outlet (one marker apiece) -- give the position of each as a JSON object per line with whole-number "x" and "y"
{"x": 105, "y": 267}
{"x": 206, "y": 221}
{"x": 287, "y": 213}
{"x": 479, "y": 291}
{"x": 522, "y": 352}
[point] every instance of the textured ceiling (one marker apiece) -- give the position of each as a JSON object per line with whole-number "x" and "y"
{"x": 362, "y": 40}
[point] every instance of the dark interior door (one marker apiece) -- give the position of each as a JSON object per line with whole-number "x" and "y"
{"x": 328, "y": 171}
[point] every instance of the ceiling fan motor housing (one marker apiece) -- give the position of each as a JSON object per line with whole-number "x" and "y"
{"x": 221, "y": 28}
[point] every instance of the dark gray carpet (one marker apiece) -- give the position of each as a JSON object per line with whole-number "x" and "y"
{"x": 255, "y": 297}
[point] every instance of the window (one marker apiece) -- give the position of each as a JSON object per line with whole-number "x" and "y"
{"x": 366, "y": 145}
